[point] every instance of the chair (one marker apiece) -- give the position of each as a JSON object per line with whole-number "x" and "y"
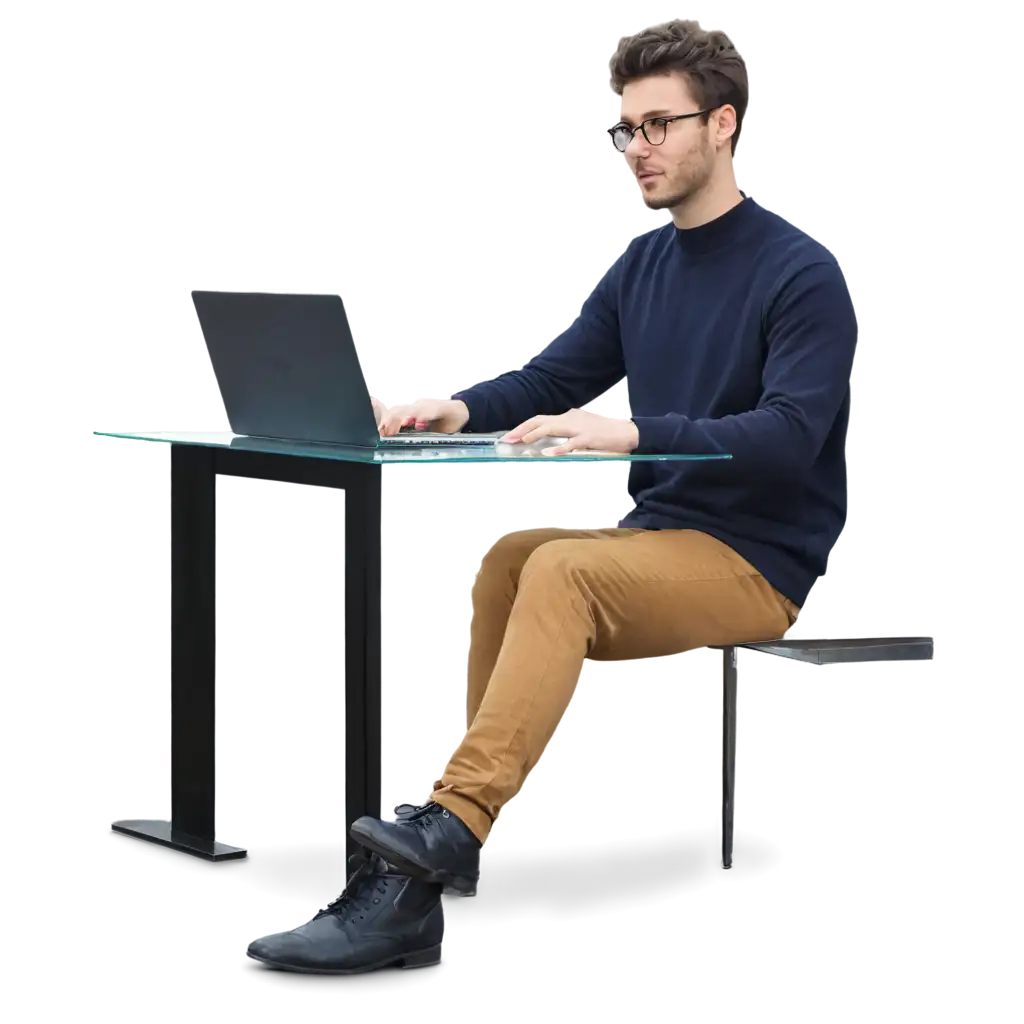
{"x": 810, "y": 652}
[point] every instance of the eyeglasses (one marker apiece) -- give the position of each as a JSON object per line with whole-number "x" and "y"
{"x": 654, "y": 129}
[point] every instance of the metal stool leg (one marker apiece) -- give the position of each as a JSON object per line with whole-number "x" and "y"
{"x": 728, "y": 680}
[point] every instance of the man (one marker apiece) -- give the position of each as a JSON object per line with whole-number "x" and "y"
{"x": 736, "y": 333}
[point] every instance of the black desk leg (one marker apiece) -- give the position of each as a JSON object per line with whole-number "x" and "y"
{"x": 193, "y": 540}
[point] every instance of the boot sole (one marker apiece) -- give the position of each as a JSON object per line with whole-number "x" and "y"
{"x": 419, "y": 958}
{"x": 459, "y": 883}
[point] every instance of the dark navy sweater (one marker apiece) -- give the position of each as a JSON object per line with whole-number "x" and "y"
{"x": 735, "y": 336}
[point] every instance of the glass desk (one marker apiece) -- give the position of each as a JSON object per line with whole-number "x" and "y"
{"x": 500, "y": 456}
{"x": 316, "y": 620}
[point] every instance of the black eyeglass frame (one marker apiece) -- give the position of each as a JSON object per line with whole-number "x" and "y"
{"x": 643, "y": 127}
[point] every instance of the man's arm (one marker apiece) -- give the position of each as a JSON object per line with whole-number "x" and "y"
{"x": 811, "y": 334}
{"x": 580, "y": 364}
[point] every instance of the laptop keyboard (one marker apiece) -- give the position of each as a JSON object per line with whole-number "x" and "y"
{"x": 429, "y": 438}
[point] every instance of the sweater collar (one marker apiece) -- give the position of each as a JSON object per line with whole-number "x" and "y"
{"x": 716, "y": 234}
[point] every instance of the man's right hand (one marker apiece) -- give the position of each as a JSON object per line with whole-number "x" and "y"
{"x": 442, "y": 415}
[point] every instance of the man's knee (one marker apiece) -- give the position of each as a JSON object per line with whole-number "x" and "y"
{"x": 560, "y": 558}
{"x": 570, "y": 554}
{"x": 504, "y": 562}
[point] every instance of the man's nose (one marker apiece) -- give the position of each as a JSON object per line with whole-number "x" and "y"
{"x": 637, "y": 145}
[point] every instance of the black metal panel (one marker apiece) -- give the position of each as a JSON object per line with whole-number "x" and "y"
{"x": 193, "y": 560}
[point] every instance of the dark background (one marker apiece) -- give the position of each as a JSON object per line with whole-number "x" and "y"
{"x": 146, "y": 154}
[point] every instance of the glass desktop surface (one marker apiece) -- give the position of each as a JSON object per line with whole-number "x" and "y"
{"x": 349, "y": 453}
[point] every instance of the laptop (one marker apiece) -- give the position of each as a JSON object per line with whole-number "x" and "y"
{"x": 287, "y": 369}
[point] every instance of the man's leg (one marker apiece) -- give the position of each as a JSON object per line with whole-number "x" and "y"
{"x": 646, "y": 594}
{"x": 494, "y": 592}
{"x": 407, "y": 930}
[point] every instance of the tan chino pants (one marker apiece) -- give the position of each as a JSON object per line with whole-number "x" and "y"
{"x": 544, "y": 600}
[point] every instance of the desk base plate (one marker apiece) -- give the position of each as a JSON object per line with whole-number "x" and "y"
{"x": 161, "y": 832}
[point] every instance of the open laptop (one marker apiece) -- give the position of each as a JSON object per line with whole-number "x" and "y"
{"x": 287, "y": 369}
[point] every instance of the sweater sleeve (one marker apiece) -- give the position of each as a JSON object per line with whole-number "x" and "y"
{"x": 583, "y": 362}
{"x": 811, "y": 334}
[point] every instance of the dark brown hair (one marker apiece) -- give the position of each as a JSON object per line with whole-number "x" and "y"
{"x": 715, "y": 73}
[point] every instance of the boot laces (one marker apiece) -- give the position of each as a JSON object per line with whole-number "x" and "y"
{"x": 423, "y": 817}
{"x": 364, "y": 888}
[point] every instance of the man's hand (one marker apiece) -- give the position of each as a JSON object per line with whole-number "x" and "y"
{"x": 379, "y": 409}
{"x": 442, "y": 415}
{"x": 583, "y": 429}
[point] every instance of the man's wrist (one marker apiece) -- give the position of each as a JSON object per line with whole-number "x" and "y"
{"x": 463, "y": 410}
{"x": 635, "y": 436}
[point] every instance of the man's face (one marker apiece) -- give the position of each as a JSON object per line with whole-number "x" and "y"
{"x": 685, "y": 161}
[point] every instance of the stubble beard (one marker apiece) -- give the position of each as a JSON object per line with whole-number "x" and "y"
{"x": 685, "y": 181}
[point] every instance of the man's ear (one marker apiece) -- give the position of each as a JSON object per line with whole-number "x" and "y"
{"x": 726, "y": 124}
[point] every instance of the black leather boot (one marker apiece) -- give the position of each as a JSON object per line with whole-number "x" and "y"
{"x": 428, "y": 842}
{"x": 383, "y": 918}
{"x": 468, "y": 888}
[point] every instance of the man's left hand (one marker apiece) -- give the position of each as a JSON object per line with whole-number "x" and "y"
{"x": 584, "y": 430}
